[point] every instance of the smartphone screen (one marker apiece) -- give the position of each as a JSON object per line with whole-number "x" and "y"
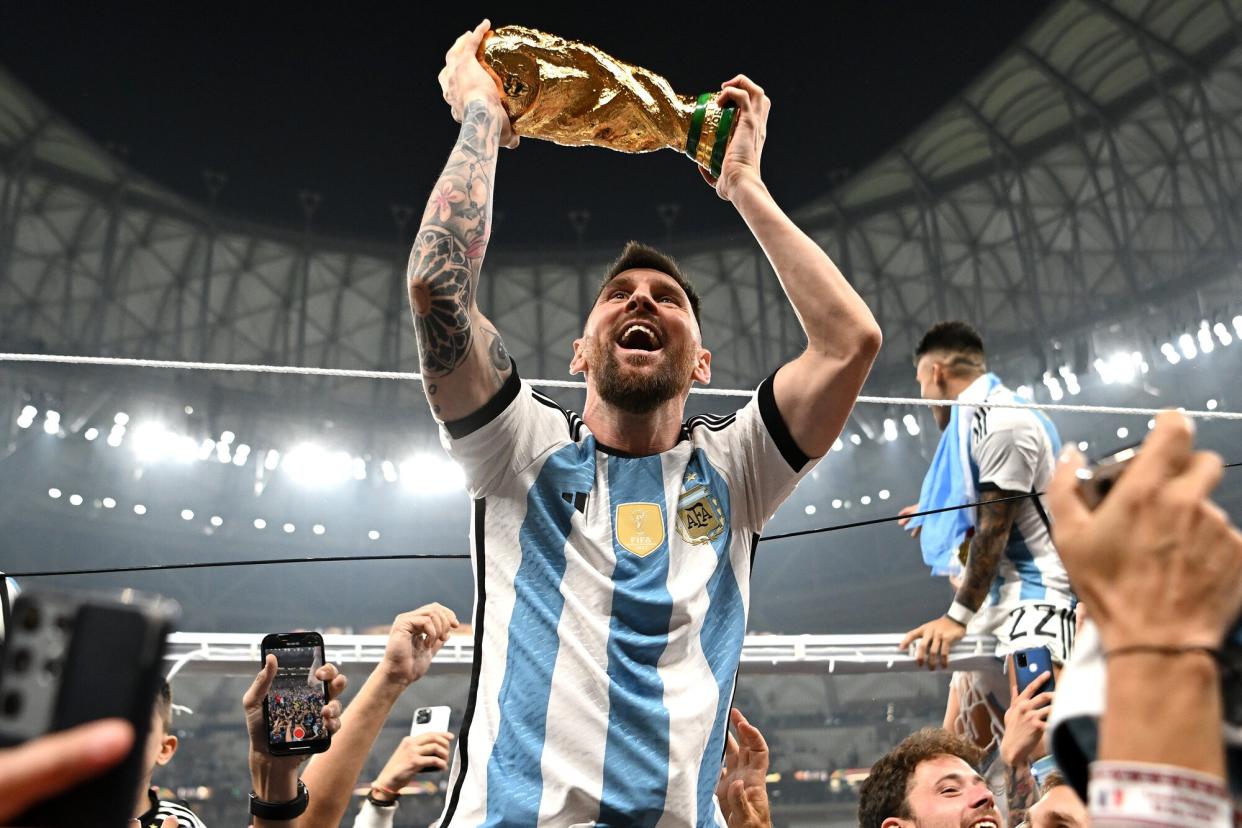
{"x": 296, "y": 698}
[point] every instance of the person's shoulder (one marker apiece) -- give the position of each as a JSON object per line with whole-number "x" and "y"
{"x": 180, "y": 811}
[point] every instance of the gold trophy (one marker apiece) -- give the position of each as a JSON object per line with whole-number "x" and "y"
{"x": 574, "y": 94}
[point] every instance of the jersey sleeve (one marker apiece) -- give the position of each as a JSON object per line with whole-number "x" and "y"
{"x": 756, "y": 453}
{"x": 1007, "y": 455}
{"x": 512, "y": 430}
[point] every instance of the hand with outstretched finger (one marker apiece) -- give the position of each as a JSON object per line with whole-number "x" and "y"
{"x": 1026, "y": 722}
{"x": 51, "y": 765}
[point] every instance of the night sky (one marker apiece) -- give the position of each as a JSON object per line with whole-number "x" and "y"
{"x": 344, "y": 101}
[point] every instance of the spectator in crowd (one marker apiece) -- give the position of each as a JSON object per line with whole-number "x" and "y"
{"x": 426, "y": 752}
{"x": 1022, "y": 748}
{"x": 277, "y": 795}
{"x": 1058, "y": 806}
{"x": 928, "y": 781}
{"x": 743, "y": 790}
{"x": 413, "y": 641}
{"x": 1160, "y": 565}
{"x": 151, "y": 811}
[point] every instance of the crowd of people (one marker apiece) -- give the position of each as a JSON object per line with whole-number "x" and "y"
{"x": 294, "y": 711}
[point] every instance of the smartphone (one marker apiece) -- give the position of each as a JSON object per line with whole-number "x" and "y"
{"x": 1095, "y": 482}
{"x": 72, "y": 658}
{"x": 430, "y": 720}
{"x": 1028, "y": 665}
{"x": 292, "y": 709}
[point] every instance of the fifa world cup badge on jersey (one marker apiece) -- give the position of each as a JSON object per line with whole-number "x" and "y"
{"x": 699, "y": 519}
{"x": 639, "y": 527}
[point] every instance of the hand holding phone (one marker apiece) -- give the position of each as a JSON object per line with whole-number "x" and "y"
{"x": 295, "y": 698}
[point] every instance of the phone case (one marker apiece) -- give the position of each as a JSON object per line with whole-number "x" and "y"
{"x": 75, "y": 658}
{"x": 1030, "y": 665}
{"x": 430, "y": 720}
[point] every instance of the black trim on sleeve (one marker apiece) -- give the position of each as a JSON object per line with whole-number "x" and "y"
{"x": 480, "y": 603}
{"x": 777, "y": 429}
{"x": 491, "y": 409}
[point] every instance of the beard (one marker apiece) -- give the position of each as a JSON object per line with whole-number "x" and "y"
{"x": 641, "y": 394}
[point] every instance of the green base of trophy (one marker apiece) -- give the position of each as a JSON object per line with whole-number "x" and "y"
{"x": 710, "y": 130}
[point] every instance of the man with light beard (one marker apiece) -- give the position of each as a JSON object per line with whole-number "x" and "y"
{"x": 612, "y": 551}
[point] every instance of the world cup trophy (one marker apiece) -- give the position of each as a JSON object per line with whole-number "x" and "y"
{"x": 575, "y": 94}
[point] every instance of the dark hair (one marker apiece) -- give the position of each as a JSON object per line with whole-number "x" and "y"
{"x": 955, "y": 338}
{"x": 884, "y": 793}
{"x": 163, "y": 704}
{"x": 638, "y": 255}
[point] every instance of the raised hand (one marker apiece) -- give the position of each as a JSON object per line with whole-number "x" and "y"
{"x": 414, "y": 640}
{"x": 750, "y": 130}
{"x": 464, "y": 78}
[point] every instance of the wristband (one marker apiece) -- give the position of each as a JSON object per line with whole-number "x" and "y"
{"x": 280, "y": 810}
{"x": 960, "y": 613}
{"x": 380, "y": 803}
{"x": 1165, "y": 650}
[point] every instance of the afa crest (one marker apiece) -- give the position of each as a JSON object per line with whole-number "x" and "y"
{"x": 639, "y": 527}
{"x": 699, "y": 518}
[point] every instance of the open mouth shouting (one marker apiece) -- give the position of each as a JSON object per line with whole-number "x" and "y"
{"x": 640, "y": 336}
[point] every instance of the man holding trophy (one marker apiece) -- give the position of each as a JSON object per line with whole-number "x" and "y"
{"x": 612, "y": 551}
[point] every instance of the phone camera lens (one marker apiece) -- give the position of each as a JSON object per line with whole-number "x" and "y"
{"x": 424, "y": 717}
{"x": 12, "y": 704}
{"x": 52, "y": 667}
{"x": 30, "y": 619}
{"x": 21, "y": 661}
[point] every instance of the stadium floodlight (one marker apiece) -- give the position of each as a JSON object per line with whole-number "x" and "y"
{"x": 139, "y": 509}
{"x": 91, "y": 434}
{"x": 1054, "y": 387}
{"x": 836, "y": 503}
{"x": 75, "y": 499}
{"x": 1123, "y": 433}
{"x": 241, "y": 455}
{"x": 912, "y": 425}
{"x": 1083, "y": 445}
{"x": 890, "y": 430}
{"x": 373, "y": 535}
{"x": 153, "y": 442}
{"x": 260, "y": 523}
{"x": 271, "y": 460}
{"x": 313, "y": 465}
{"x": 109, "y": 503}
{"x": 51, "y": 422}
{"x": 855, "y": 439}
{"x": 227, "y": 437}
{"x": 1222, "y": 334}
{"x": 121, "y": 419}
{"x": 360, "y": 468}
{"x": 865, "y": 500}
{"x": 389, "y": 469}
{"x": 222, "y": 452}
{"x": 1170, "y": 353}
{"x": 1071, "y": 380}
{"x": 217, "y": 521}
{"x": 318, "y": 529}
{"x": 1206, "y": 345}
{"x": 885, "y": 494}
{"x": 116, "y": 436}
{"x": 54, "y": 493}
{"x": 187, "y": 514}
{"x": 1237, "y": 326}
{"x": 29, "y": 412}
{"x": 431, "y": 474}
{"x": 810, "y": 509}
{"x": 289, "y": 528}
{"x": 838, "y": 445}
{"x": 1211, "y": 405}
{"x": 1186, "y": 343}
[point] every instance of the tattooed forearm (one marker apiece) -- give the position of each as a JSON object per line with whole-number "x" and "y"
{"x": 496, "y": 353}
{"x": 992, "y": 528}
{"x": 448, "y": 251}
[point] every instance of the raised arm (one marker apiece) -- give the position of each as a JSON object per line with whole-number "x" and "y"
{"x": 462, "y": 358}
{"x": 816, "y": 391}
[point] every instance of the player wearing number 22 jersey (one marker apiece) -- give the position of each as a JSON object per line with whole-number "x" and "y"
{"x": 611, "y": 605}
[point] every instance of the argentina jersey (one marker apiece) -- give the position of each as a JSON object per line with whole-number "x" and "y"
{"x": 611, "y": 594}
{"x": 1015, "y": 450}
